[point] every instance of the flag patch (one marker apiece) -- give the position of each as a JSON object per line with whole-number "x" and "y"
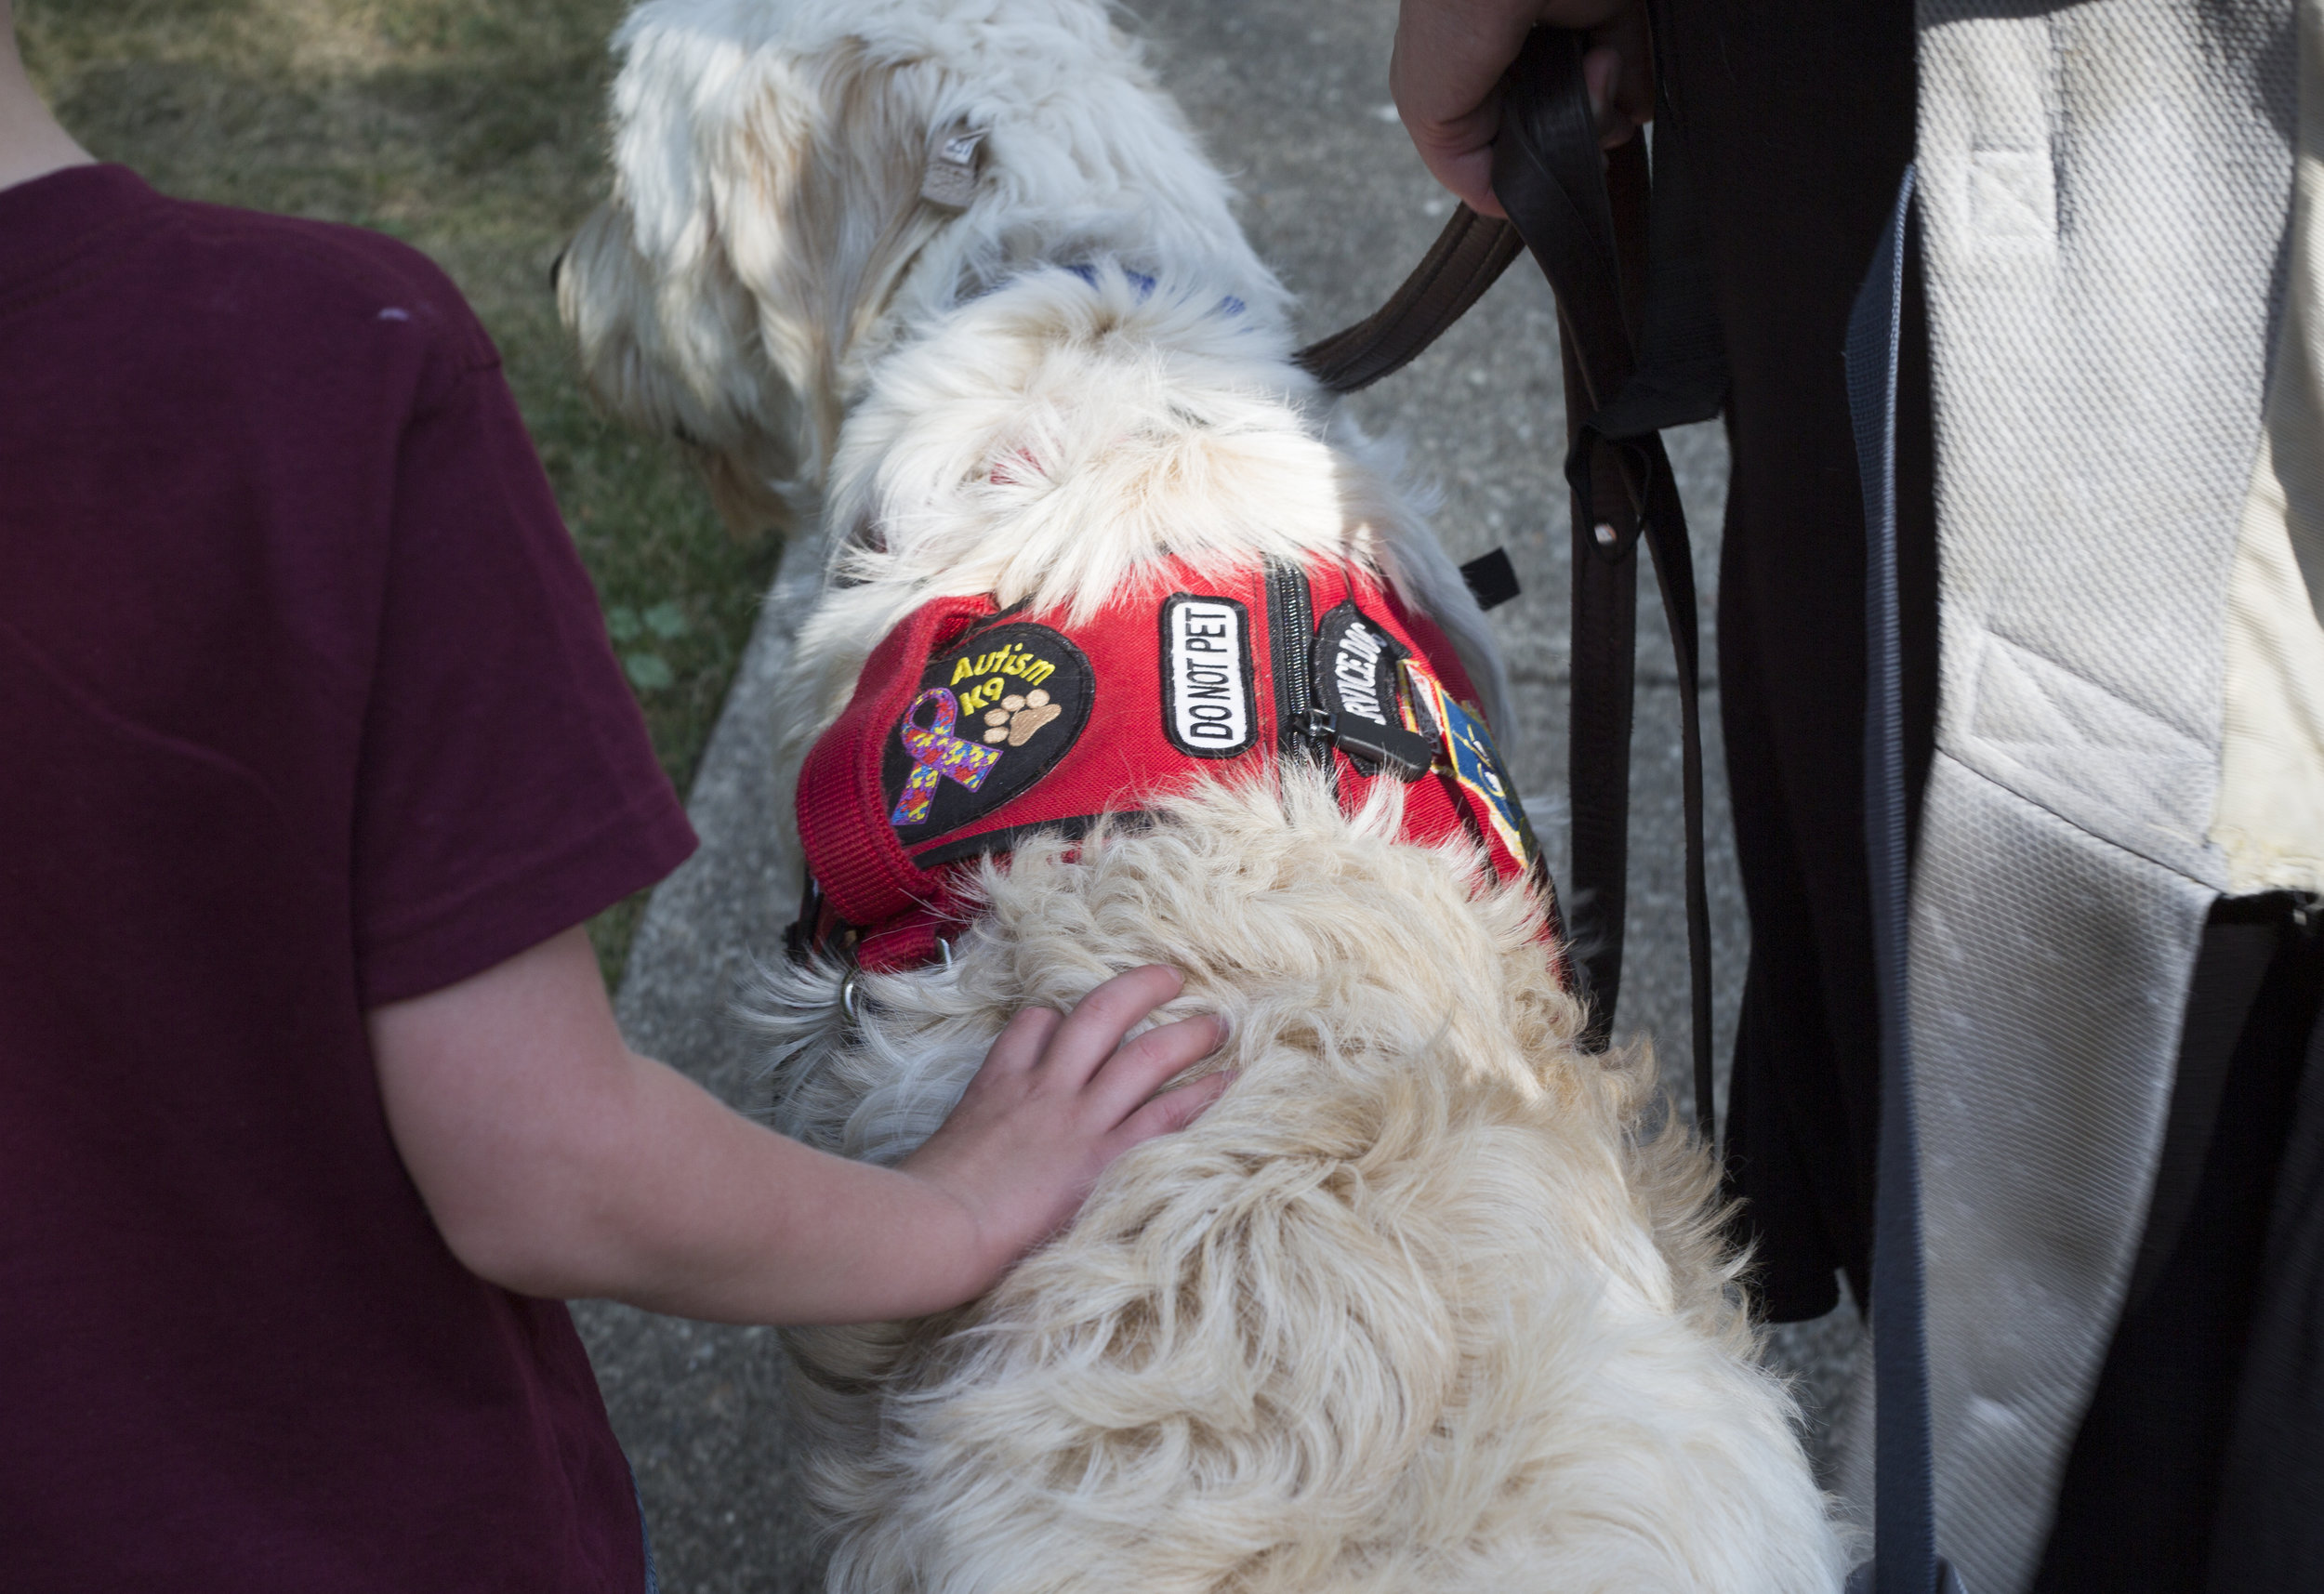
{"x": 1476, "y": 767}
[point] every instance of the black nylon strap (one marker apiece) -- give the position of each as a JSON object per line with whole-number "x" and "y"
{"x": 1586, "y": 217}
{"x": 1681, "y": 374}
{"x": 1600, "y": 692}
{"x": 1904, "y": 1503}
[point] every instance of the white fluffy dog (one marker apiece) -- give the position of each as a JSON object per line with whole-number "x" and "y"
{"x": 1417, "y": 1305}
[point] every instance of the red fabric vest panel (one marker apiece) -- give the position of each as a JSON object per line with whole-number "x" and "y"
{"x": 970, "y": 724}
{"x": 852, "y": 850}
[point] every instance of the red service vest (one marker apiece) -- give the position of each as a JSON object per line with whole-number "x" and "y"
{"x": 972, "y": 726}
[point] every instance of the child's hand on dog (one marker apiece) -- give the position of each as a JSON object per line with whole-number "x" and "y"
{"x": 557, "y": 1162}
{"x": 1062, "y": 1095}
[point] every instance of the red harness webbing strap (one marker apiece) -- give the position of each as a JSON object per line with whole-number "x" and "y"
{"x": 865, "y": 876}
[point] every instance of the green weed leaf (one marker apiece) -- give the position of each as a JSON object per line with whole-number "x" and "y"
{"x": 648, "y": 672}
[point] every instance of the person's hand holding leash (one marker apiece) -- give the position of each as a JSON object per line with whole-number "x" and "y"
{"x": 1446, "y": 75}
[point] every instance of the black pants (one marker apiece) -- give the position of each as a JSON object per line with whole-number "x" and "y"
{"x": 1799, "y": 116}
{"x": 2201, "y": 1464}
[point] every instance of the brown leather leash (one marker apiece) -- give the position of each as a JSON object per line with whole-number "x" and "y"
{"x": 1468, "y": 257}
{"x": 1641, "y": 351}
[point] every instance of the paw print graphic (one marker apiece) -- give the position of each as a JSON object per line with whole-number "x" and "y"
{"x": 1017, "y": 718}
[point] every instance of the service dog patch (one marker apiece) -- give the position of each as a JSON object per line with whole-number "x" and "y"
{"x": 995, "y": 713}
{"x": 1355, "y": 668}
{"x": 1469, "y": 756}
{"x": 1358, "y": 684}
{"x": 1206, "y": 676}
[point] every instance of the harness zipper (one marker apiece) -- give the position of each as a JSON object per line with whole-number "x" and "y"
{"x": 1308, "y": 729}
{"x": 1290, "y": 639}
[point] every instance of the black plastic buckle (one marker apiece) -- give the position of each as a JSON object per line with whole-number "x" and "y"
{"x": 1410, "y": 755}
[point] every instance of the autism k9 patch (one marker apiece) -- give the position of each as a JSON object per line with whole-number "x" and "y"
{"x": 995, "y": 713}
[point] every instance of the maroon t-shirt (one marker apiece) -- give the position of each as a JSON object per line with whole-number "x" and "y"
{"x": 305, "y": 706}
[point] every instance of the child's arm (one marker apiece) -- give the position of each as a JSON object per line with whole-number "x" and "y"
{"x": 557, "y": 1162}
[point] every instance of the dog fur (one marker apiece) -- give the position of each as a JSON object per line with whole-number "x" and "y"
{"x": 1421, "y": 1304}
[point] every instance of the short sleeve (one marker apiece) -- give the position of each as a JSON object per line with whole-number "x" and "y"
{"x": 506, "y": 789}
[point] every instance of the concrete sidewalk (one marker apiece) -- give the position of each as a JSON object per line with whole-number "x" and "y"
{"x": 1291, "y": 96}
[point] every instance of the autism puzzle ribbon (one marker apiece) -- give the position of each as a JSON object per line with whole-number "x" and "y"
{"x": 938, "y": 753}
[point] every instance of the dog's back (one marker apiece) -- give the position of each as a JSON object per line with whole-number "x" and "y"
{"x": 1414, "y": 1306}
{"x": 1409, "y": 1309}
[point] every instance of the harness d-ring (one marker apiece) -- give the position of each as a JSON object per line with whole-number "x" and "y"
{"x": 848, "y": 984}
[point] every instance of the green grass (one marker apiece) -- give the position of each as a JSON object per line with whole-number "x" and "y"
{"x": 472, "y": 130}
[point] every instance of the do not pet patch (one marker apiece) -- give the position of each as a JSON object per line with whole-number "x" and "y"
{"x": 995, "y": 713}
{"x": 1207, "y": 701}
